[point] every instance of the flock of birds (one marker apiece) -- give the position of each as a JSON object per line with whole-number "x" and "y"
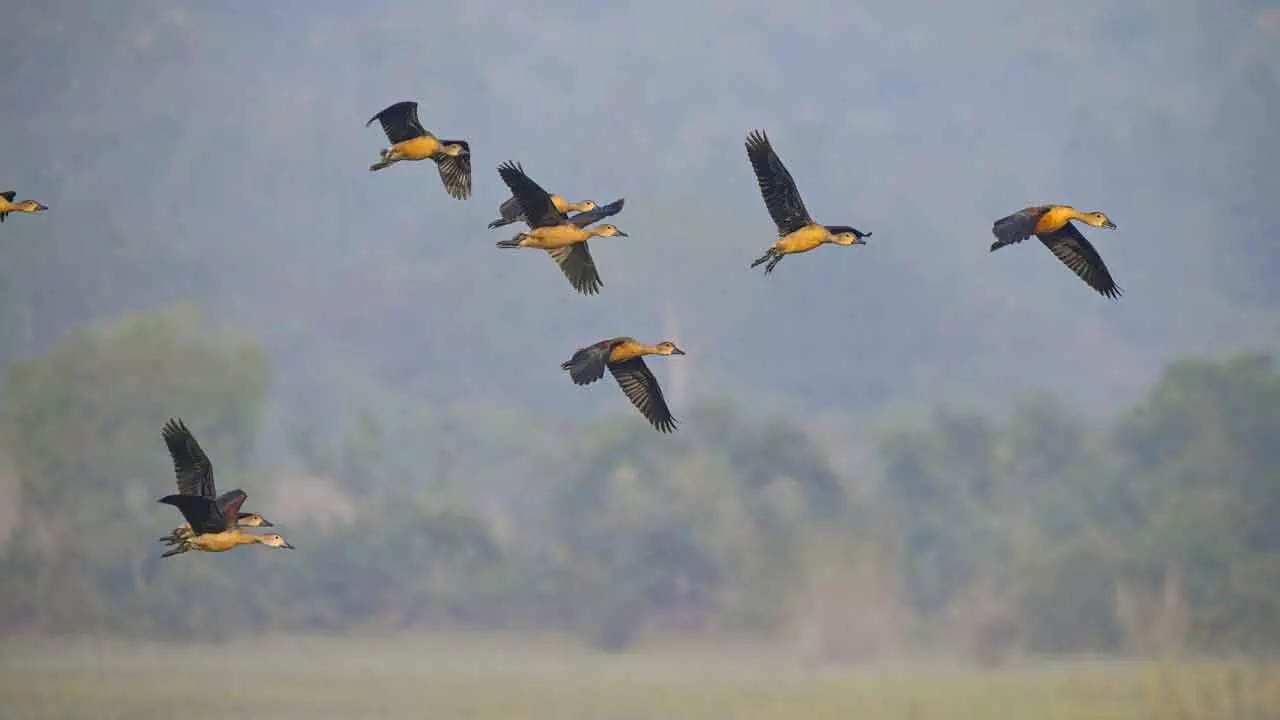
{"x": 214, "y": 523}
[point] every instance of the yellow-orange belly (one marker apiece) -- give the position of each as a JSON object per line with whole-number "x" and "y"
{"x": 802, "y": 240}
{"x": 419, "y": 148}
{"x": 556, "y": 236}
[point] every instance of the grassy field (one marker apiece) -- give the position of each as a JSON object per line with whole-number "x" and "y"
{"x": 483, "y": 678}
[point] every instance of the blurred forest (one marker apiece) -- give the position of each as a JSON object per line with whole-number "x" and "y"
{"x": 1031, "y": 530}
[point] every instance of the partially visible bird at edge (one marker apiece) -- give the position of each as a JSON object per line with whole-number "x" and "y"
{"x": 624, "y": 357}
{"x": 212, "y": 519}
{"x": 563, "y": 238}
{"x": 411, "y": 141}
{"x": 797, "y": 230}
{"x": 1052, "y": 225}
{"x": 7, "y": 205}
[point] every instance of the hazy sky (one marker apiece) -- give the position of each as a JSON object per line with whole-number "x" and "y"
{"x": 221, "y": 148}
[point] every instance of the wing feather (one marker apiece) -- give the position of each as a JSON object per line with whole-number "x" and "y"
{"x": 588, "y": 364}
{"x": 777, "y": 187}
{"x": 599, "y": 213}
{"x": 191, "y": 466}
{"x": 201, "y": 513}
{"x": 1016, "y": 227}
{"x": 539, "y": 211}
{"x": 1069, "y": 245}
{"x": 9, "y": 195}
{"x": 577, "y": 265}
{"x": 400, "y": 121}
{"x": 230, "y": 507}
{"x": 641, "y": 388}
{"x": 455, "y": 173}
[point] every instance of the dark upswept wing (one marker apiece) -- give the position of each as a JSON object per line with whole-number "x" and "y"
{"x": 201, "y": 513}
{"x": 641, "y": 388}
{"x": 229, "y": 505}
{"x": 776, "y": 185}
{"x": 539, "y": 211}
{"x": 1016, "y": 227}
{"x": 601, "y": 212}
{"x": 9, "y": 195}
{"x": 587, "y": 364}
{"x": 1070, "y": 246}
{"x": 576, "y": 264}
{"x": 228, "y": 497}
{"x": 192, "y": 467}
{"x": 455, "y": 172}
{"x": 400, "y": 121}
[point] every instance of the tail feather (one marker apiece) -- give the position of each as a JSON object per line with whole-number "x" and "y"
{"x": 499, "y": 223}
{"x": 379, "y": 165}
{"x": 512, "y": 243}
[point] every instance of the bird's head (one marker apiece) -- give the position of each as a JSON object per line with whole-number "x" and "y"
{"x": 32, "y": 206}
{"x": 845, "y": 235}
{"x": 1099, "y": 219}
{"x": 276, "y": 541}
{"x": 610, "y": 231}
{"x": 253, "y": 520}
{"x": 587, "y": 206}
{"x": 666, "y": 347}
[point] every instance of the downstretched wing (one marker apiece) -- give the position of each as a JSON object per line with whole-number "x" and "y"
{"x": 8, "y": 195}
{"x": 776, "y": 185}
{"x": 539, "y": 211}
{"x": 587, "y": 364}
{"x": 576, "y": 264}
{"x": 192, "y": 467}
{"x": 599, "y": 213}
{"x": 201, "y": 513}
{"x": 1016, "y": 227}
{"x": 400, "y": 121}
{"x": 455, "y": 172}
{"x": 641, "y": 388}
{"x": 1070, "y": 246}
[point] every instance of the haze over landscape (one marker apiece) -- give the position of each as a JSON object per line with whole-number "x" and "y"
{"x": 885, "y": 450}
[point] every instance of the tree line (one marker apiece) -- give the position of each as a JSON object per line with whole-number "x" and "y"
{"x": 1033, "y": 529}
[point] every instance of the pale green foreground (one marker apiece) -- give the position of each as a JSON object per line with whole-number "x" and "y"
{"x": 452, "y": 678}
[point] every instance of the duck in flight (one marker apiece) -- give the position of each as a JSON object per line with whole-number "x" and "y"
{"x": 1052, "y": 225}
{"x": 411, "y": 141}
{"x": 212, "y": 519}
{"x": 7, "y": 205}
{"x": 624, "y": 357}
{"x": 797, "y": 231}
{"x": 510, "y": 210}
{"x": 565, "y": 239}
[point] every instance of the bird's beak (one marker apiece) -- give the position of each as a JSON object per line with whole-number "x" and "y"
{"x": 267, "y": 523}
{"x": 622, "y": 234}
{"x": 288, "y": 546}
{"x": 1109, "y": 225}
{"x": 677, "y": 351}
